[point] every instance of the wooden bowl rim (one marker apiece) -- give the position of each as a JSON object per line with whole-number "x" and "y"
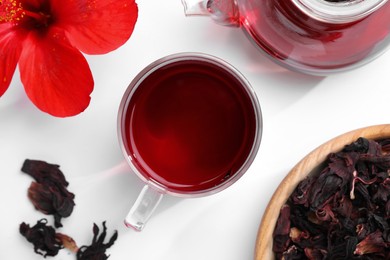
{"x": 264, "y": 240}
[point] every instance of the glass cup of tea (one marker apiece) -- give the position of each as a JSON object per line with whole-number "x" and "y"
{"x": 189, "y": 125}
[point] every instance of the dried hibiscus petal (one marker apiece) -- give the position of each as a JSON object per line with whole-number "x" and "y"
{"x": 314, "y": 253}
{"x": 293, "y": 253}
{"x": 373, "y": 243}
{"x": 44, "y": 172}
{"x": 343, "y": 210}
{"x": 67, "y": 242}
{"x": 97, "y": 250}
{"x": 282, "y": 230}
{"x": 43, "y": 238}
{"x": 49, "y": 193}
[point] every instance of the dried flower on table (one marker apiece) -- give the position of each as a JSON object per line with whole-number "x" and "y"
{"x": 67, "y": 242}
{"x": 44, "y": 172}
{"x": 46, "y": 39}
{"x": 43, "y": 238}
{"x": 49, "y": 193}
{"x": 342, "y": 212}
{"x": 50, "y": 196}
{"x": 97, "y": 250}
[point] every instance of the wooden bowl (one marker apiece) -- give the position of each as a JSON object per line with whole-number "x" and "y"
{"x": 263, "y": 249}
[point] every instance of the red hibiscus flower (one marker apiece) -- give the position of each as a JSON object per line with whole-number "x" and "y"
{"x": 46, "y": 38}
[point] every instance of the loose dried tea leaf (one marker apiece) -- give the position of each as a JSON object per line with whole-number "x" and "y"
{"x": 49, "y": 193}
{"x": 373, "y": 243}
{"x": 50, "y": 196}
{"x": 43, "y": 238}
{"x": 97, "y": 250}
{"x": 343, "y": 212}
{"x": 67, "y": 242}
{"x": 44, "y": 172}
{"x": 282, "y": 230}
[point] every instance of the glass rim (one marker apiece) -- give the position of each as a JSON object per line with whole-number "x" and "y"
{"x": 338, "y": 12}
{"x": 185, "y": 56}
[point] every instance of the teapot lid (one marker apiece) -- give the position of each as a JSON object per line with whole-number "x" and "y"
{"x": 338, "y": 11}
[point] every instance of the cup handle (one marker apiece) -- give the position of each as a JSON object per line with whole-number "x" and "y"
{"x": 143, "y": 208}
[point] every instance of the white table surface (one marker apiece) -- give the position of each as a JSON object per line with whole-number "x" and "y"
{"x": 300, "y": 113}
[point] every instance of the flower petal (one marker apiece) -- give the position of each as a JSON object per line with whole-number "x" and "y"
{"x": 96, "y": 26}
{"x": 56, "y": 76}
{"x": 10, "y": 49}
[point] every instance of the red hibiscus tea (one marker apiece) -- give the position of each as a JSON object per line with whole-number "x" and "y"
{"x": 299, "y": 39}
{"x": 189, "y": 124}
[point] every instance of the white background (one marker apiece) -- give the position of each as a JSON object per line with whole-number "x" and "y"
{"x": 300, "y": 113}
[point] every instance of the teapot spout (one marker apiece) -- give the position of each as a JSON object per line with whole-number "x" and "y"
{"x": 193, "y": 8}
{"x": 224, "y": 12}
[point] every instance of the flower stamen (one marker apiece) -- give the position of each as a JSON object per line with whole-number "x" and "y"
{"x": 11, "y": 11}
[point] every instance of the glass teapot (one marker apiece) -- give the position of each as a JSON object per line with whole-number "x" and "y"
{"x": 309, "y": 36}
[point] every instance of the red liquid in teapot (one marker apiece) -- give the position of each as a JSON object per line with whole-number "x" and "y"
{"x": 304, "y": 43}
{"x": 189, "y": 126}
